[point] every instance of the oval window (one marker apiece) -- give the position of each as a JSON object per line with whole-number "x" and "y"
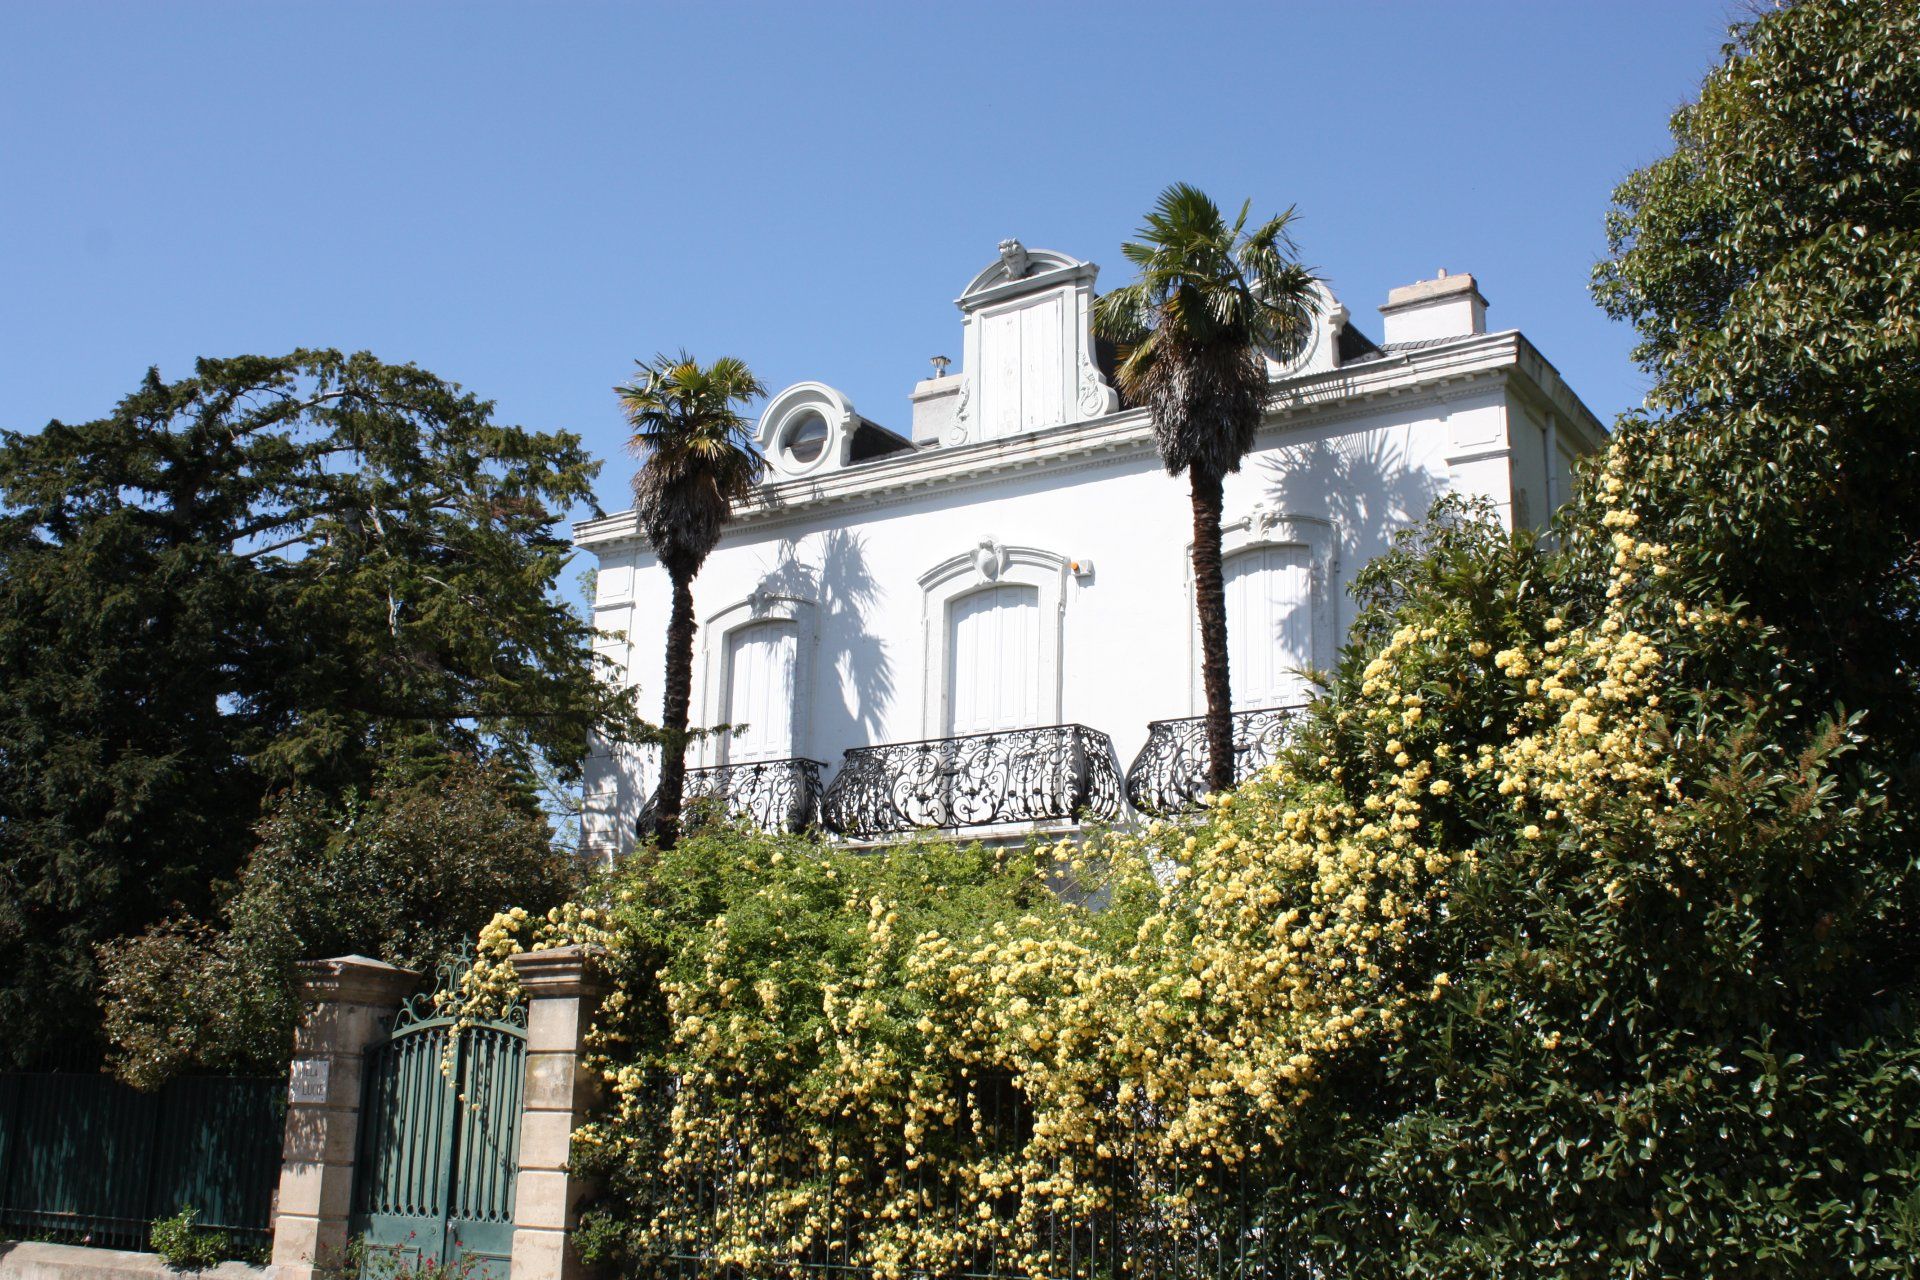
{"x": 805, "y": 439}
{"x": 1287, "y": 342}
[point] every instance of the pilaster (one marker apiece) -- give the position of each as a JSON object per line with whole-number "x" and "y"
{"x": 563, "y": 988}
{"x": 349, "y": 1002}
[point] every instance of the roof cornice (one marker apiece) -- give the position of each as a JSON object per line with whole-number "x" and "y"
{"x": 1310, "y": 398}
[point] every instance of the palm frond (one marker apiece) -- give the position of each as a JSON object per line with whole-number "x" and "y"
{"x": 698, "y": 456}
{"x": 1209, "y": 295}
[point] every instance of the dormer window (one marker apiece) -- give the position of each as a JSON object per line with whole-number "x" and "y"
{"x": 810, "y": 429}
{"x": 1288, "y": 348}
{"x": 804, "y": 439}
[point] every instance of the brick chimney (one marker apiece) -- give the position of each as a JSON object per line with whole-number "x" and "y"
{"x": 1444, "y": 307}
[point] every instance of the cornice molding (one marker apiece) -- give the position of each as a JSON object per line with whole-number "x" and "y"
{"x": 1317, "y": 400}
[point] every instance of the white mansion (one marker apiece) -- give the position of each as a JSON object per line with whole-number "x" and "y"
{"x": 981, "y": 617}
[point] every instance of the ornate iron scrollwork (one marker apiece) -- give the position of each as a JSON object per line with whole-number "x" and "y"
{"x": 1169, "y": 776}
{"x": 1062, "y": 771}
{"x": 449, "y": 988}
{"x": 773, "y": 795}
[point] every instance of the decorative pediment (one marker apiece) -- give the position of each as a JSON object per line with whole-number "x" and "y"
{"x": 1018, "y": 270}
{"x": 1028, "y": 360}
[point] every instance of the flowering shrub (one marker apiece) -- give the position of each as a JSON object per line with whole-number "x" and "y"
{"x": 911, "y": 1058}
{"x": 1515, "y": 905}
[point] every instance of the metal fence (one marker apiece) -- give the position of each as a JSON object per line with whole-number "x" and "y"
{"x": 88, "y": 1160}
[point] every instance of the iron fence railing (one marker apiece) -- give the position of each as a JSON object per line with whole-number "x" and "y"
{"x": 89, "y": 1160}
{"x": 773, "y": 795}
{"x": 1169, "y": 776}
{"x": 1058, "y": 772}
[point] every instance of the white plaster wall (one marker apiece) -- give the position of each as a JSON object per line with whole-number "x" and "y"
{"x": 1127, "y": 639}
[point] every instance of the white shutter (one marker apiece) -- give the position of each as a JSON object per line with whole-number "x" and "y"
{"x": 1269, "y": 625}
{"x": 1024, "y": 374}
{"x": 1000, "y": 373}
{"x": 760, "y": 663}
{"x": 1042, "y": 390}
{"x": 993, "y": 657}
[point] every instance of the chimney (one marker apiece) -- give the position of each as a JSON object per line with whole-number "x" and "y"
{"x": 1444, "y": 307}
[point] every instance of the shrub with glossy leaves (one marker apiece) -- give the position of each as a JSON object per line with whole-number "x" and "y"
{"x": 407, "y": 875}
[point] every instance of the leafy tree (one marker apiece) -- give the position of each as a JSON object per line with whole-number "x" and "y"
{"x": 1680, "y": 1037}
{"x": 407, "y": 874}
{"x": 1192, "y": 330}
{"x": 278, "y": 570}
{"x": 1769, "y": 264}
{"x": 697, "y": 460}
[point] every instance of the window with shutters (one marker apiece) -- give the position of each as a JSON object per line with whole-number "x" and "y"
{"x": 1024, "y": 375}
{"x": 1270, "y": 625}
{"x": 993, "y": 660}
{"x": 761, "y": 658}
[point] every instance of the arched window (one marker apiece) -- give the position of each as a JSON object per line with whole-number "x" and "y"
{"x": 993, "y": 659}
{"x": 1270, "y": 625}
{"x": 761, "y": 658}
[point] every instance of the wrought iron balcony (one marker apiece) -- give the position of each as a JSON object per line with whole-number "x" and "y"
{"x": 1063, "y": 771}
{"x": 1169, "y": 776}
{"x": 773, "y": 795}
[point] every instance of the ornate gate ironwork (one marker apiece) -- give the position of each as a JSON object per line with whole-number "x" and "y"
{"x": 440, "y": 1139}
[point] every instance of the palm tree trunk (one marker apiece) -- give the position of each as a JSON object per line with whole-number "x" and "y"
{"x": 1210, "y": 598}
{"x": 673, "y": 716}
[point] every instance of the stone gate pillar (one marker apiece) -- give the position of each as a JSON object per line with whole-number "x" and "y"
{"x": 349, "y": 1002}
{"x": 563, "y": 988}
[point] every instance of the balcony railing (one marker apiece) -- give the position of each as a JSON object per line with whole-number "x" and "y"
{"x": 1169, "y": 776}
{"x": 1064, "y": 771}
{"x": 773, "y": 795}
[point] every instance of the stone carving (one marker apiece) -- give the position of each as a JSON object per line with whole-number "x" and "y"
{"x": 990, "y": 558}
{"x": 1013, "y": 257}
{"x": 962, "y": 406}
{"x": 1096, "y": 398}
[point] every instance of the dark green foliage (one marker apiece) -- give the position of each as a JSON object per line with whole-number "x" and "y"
{"x": 1686, "y": 1044}
{"x": 185, "y": 1246}
{"x": 278, "y": 570}
{"x": 408, "y": 876}
{"x": 1772, "y": 267}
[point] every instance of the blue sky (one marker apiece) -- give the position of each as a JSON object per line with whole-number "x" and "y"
{"x": 524, "y": 197}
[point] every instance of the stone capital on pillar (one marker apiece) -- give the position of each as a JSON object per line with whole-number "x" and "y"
{"x": 349, "y": 1002}
{"x": 562, "y": 971}
{"x": 563, "y": 987}
{"x": 355, "y": 980}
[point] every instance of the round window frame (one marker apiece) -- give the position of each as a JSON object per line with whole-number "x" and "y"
{"x": 791, "y": 425}
{"x": 1309, "y": 336}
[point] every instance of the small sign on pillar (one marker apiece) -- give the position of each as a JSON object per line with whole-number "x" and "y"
{"x": 348, "y": 1002}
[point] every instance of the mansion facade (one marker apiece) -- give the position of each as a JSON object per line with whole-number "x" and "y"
{"x": 980, "y": 617}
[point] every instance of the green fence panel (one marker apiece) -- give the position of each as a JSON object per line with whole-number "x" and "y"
{"x": 89, "y": 1160}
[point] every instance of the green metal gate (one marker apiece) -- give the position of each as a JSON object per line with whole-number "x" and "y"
{"x": 440, "y": 1141}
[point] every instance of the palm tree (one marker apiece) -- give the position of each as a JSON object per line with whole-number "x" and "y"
{"x": 697, "y": 459}
{"x": 1191, "y": 332}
